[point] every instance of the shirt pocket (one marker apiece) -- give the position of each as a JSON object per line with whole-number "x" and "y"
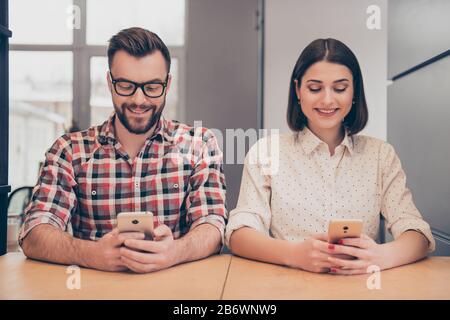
{"x": 94, "y": 200}
{"x": 174, "y": 192}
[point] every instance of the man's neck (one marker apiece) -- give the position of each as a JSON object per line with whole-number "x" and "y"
{"x": 132, "y": 143}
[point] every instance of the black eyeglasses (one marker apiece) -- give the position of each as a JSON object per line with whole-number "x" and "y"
{"x": 126, "y": 88}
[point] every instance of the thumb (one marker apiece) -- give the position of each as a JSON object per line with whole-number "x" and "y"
{"x": 162, "y": 232}
{"x": 113, "y": 233}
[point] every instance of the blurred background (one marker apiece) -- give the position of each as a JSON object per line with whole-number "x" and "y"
{"x": 232, "y": 62}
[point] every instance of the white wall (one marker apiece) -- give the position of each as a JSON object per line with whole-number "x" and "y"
{"x": 290, "y": 25}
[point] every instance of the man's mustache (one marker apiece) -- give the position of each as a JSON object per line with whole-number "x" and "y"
{"x": 134, "y": 106}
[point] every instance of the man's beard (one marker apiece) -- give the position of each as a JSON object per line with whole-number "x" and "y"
{"x": 135, "y": 127}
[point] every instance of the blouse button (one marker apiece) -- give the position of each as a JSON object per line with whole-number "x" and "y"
{"x": 94, "y": 192}
{"x": 175, "y": 185}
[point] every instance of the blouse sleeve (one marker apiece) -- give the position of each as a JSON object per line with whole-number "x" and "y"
{"x": 397, "y": 205}
{"x": 253, "y": 208}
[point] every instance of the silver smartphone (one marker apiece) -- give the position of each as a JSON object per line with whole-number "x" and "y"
{"x": 136, "y": 222}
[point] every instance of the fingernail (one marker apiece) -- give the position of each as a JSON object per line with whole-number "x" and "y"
{"x": 331, "y": 246}
{"x": 333, "y": 270}
{"x": 341, "y": 241}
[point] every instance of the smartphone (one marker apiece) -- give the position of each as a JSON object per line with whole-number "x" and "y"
{"x": 344, "y": 228}
{"x": 136, "y": 222}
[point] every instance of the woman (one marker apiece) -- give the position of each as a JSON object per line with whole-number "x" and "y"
{"x": 326, "y": 171}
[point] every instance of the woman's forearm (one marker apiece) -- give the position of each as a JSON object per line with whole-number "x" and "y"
{"x": 249, "y": 243}
{"x": 409, "y": 247}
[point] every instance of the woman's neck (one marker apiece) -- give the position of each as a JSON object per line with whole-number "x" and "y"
{"x": 331, "y": 136}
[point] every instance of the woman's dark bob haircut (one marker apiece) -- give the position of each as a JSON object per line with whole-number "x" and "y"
{"x": 333, "y": 51}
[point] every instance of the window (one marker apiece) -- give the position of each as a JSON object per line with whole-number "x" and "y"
{"x": 101, "y": 104}
{"x": 40, "y": 22}
{"x": 166, "y": 18}
{"x": 57, "y": 73}
{"x": 40, "y": 108}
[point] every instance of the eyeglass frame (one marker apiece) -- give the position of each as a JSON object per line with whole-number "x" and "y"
{"x": 139, "y": 85}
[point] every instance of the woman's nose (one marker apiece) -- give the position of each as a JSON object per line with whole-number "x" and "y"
{"x": 328, "y": 97}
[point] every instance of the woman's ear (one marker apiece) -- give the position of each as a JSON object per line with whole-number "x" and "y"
{"x": 297, "y": 89}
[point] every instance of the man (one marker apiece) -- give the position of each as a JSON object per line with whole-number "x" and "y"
{"x": 135, "y": 161}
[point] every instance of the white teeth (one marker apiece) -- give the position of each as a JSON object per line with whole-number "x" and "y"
{"x": 327, "y": 110}
{"x": 138, "y": 112}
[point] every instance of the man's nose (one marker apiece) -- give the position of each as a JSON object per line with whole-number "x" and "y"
{"x": 139, "y": 97}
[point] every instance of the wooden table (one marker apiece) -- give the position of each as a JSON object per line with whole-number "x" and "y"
{"x": 21, "y": 278}
{"x": 220, "y": 277}
{"x": 426, "y": 279}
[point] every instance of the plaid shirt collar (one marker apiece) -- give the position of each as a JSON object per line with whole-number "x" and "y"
{"x": 107, "y": 132}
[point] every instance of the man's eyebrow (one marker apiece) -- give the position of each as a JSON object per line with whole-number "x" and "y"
{"x": 155, "y": 80}
{"x": 151, "y": 80}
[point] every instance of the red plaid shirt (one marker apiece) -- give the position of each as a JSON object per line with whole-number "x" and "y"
{"x": 88, "y": 178}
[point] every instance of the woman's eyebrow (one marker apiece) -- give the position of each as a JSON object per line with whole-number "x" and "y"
{"x": 341, "y": 80}
{"x": 319, "y": 81}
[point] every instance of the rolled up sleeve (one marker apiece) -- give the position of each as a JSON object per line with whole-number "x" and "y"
{"x": 53, "y": 197}
{"x": 208, "y": 188}
{"x": 397, "y": 205}
{"x": 253, "y": 208}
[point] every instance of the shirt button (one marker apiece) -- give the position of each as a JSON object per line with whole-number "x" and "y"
{"x": 94, "y": 192}
{"x": 175, "y": 185}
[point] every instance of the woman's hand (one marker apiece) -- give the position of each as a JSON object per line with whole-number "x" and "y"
{"x": 365, "y": 251}
{"x": 312, "y": 254}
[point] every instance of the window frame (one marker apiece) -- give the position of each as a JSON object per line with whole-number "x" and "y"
{"x": 82, "y": 54}
{"x": 5, "y": 188}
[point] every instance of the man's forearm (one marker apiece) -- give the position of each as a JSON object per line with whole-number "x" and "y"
{"x": 201, "y": 242}
{"x": 48, "y": 243}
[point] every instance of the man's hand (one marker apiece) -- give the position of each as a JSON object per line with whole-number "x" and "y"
{"x": 106, "y": 255}
{"x": 143, "y": 256}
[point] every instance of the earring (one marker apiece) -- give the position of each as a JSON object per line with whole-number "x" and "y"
{"x": 353, "y": 102}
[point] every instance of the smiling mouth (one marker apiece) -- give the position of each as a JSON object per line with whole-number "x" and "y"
{"x": 326, "y": 112}
{"x": 139, "y": 110}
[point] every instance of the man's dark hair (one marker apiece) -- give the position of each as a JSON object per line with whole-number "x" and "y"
{"x": 137, "y": 42}
{"x": 333, "y": 51}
